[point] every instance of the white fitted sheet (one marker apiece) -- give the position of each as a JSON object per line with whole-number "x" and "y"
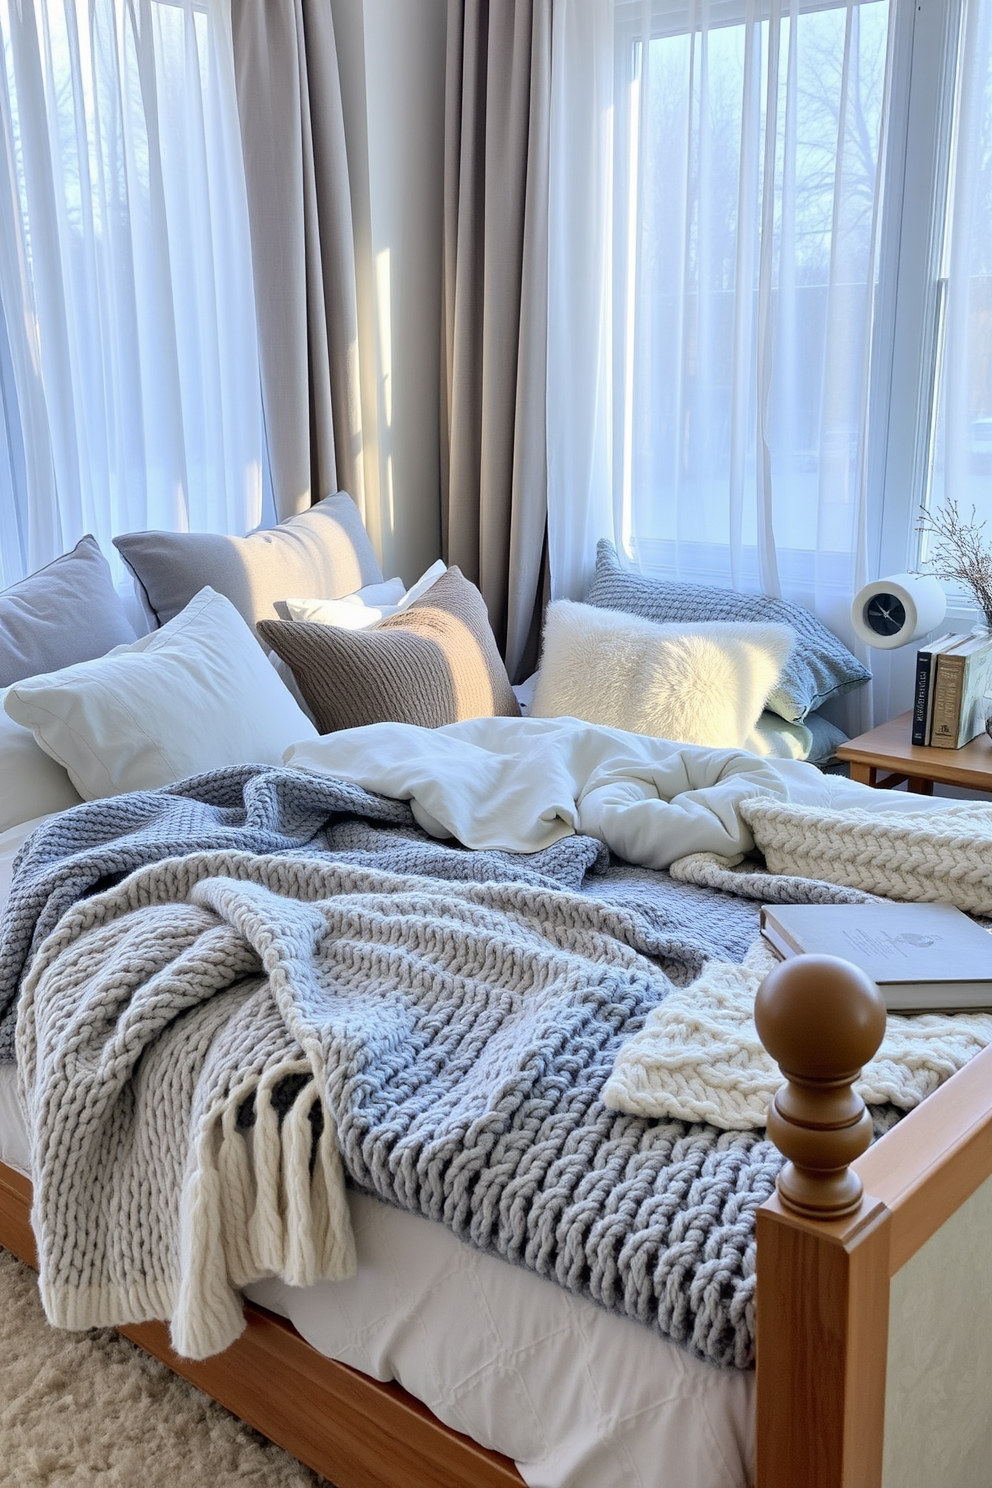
{"x": 578, "y": 1397}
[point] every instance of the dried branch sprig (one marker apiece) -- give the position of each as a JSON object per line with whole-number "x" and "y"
{"x": 960, "y": 551}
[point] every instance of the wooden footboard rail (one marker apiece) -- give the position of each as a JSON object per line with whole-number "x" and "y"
{"x": 874, "y": 1290}
{"x": 356, "y": 1431}
{"x": 856, "y": 1387}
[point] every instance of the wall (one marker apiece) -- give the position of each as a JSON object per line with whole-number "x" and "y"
{"x": 391, "y": 60}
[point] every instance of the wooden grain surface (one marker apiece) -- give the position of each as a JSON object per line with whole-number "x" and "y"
{"x": 823, "y": 1297}
{"x": 15, "y": 1216}
{"x": 889, "y": 748}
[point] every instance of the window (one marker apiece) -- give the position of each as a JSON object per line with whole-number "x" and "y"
{"x": 747, "y": 214}
{"x": 129, "y": 382}
{"x": 959, "y": 451}
{"x": 780, "y": 343}
{"x": 880, "y": 219}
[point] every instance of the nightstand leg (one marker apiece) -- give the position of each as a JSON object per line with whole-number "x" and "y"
{"x": 863, "y": 774}
{"x": 919, "y": 787}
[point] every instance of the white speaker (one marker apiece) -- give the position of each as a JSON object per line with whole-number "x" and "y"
{"x": 899, "y": 609}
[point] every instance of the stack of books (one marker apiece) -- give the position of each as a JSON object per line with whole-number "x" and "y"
{"x": 953, "y": 675}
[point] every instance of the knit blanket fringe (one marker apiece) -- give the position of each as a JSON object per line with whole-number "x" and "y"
{"x": 265, "y": 1204}
{"x": 445, "y": 1044}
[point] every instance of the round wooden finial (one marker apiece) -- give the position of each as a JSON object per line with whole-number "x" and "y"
{"x": 821, "y": 1019}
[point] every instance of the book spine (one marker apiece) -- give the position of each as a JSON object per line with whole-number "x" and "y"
{"x": 945, "y": 709}
{"x": 921, "y": 701}
{"x": 971, "y": 720}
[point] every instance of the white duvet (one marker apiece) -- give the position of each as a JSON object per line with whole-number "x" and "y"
{"x": 523, "y": 783}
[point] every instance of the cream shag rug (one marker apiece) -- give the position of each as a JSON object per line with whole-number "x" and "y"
{"x": 91, "y": 1408}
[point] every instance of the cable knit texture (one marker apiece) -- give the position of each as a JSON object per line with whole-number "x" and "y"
{"x": 432, "y": 664}
{"x": 447, "y": 1032}
{"x": 943, "y": 856}
{"x": 699, "y": 1058}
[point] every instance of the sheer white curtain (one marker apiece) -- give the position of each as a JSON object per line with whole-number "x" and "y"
{"x": 715, "y": 207}
{"x": 128, "y": 355}
{"x": 962, "y": 463}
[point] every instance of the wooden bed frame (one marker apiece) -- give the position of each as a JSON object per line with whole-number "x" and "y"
{"x": 824, "y": 1285}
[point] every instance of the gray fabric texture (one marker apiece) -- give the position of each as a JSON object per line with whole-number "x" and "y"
{"x": 497, "y": 114}
{"x": 464, "y": 1086}
{"x": 441, "y": 1023}
{"x": 323, "y": 553}
{"x": 826, "y": 738}
{"x": 68, "y": 611}
{"x": 434, "y": 663}
{"x": 302, "y": 248}
{"x": 820, "y": 667}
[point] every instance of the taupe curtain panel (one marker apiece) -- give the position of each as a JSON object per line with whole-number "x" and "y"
{"x": 299, "y": 205}
{"x": 493, "y": 364}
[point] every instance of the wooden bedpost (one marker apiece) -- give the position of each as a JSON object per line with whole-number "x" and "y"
{"x": 823, "y": 1279}
{"x": 821, "y": 1019}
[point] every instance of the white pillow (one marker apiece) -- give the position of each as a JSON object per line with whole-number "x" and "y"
{"x": 192, "y": 696}
{"x": 697, "y": 684}
{"x": 31, "y": 784}
{"x": 368, "y": 607}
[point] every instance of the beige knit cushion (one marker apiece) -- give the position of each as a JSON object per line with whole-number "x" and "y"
{"x": 435, "y": 663}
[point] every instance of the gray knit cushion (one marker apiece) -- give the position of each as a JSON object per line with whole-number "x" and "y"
{"x": 68, "y": 611}
{"x": 820, "y": 666}
{"x": 322, "y": 553}
{"x": 434, "y": 663}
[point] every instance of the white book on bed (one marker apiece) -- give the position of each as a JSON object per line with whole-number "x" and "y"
{"x": 922, "y": 957}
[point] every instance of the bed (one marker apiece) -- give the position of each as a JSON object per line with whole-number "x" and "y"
{"x": 853, "y": 1384}
{"x": 871, "y": 1327}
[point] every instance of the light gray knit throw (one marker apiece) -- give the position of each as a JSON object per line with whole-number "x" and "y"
{"x": 245, "y": 808}
{"x": 459, "y": 1034}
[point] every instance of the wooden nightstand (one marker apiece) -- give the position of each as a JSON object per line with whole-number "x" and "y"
{"x": 885, "y": 757}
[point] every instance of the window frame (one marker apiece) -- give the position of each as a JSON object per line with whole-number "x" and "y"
{"x": 907, "y": 330}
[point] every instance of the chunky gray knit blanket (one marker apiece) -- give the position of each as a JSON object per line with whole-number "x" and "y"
{"x": 245, "y": 988}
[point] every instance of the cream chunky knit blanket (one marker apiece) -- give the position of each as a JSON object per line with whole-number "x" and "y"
{"x": 941, "y": 855}
{"x": 698, "y": 1056}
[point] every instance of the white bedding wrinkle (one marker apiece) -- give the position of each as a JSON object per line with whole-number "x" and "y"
{"x": 32, "y": 784}
{"x": 521, "y": 784}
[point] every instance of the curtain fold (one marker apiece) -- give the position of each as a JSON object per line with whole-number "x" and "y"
{"x": 495, "y": 288}
{"x": 128, "y": 359}
{"x": 303, "y": 255}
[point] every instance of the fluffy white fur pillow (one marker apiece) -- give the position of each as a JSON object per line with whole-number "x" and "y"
{"x": 698, "y": 684}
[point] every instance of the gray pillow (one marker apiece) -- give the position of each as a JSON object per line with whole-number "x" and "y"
{"x": 322, "y": 553}
{"x": 68, "y": 611}
{"x": 436, "y": 662}
{"x": 820, "y": 666}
